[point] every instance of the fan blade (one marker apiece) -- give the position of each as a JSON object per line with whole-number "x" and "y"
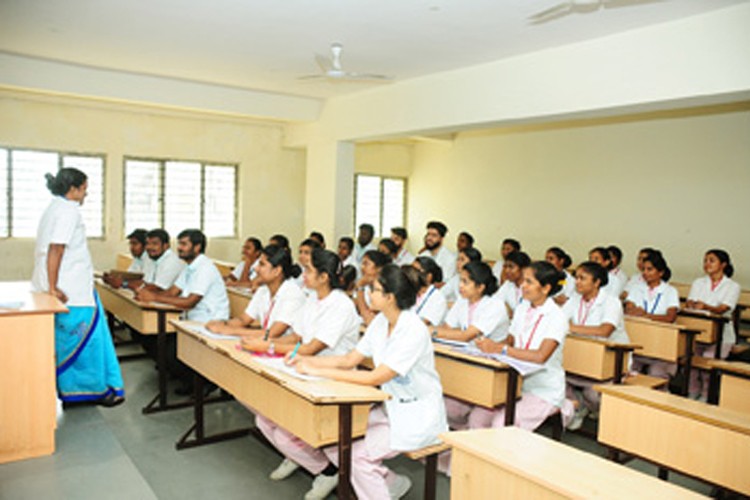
{"x": 563, "y": 7}
{"x": 366, "y": 76}
{"x": 616, "y": 4}
{"x": 323, "y": 62}
{"x": 312, "y": 77}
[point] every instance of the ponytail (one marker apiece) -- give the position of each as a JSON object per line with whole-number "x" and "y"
{"x": 65, "y": 179}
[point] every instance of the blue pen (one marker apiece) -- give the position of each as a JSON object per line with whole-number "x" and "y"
{"x": 294, "y": 352}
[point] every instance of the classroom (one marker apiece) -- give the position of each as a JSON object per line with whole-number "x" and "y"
{"x": 577, "y": 127}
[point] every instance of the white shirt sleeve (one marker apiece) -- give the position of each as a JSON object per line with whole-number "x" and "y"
{"x": 488, "y": 315}
{"x": 200, "y": 282}
{"x": 404, "y": 348}
{"x": 612, "y": 314}
{"x": 671, "y": 297}
{"x": 237, "y": 271}
{"x": 453, "y": 318}
{"x": 167, "y": 271}
{"x": 258, "y": 305}
{"x": 334, "y": 323}
{"x": 64, "y": 226}
{"x": 365, "y": 345}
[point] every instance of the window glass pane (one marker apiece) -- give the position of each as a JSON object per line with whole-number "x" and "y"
{"x": 367, "y": 204}
{"x": 93, "y": 206}
{"x": 29, "y": 194}
{"x": 182, "y": 196}
{"x": 142, "y": 203}
{"x": 219, "y": 196}
{"x": 393, "y": 204}
{"x": 3, "y": 193}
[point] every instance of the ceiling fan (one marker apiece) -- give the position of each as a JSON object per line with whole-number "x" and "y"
{"x": 331, "y": 69}
{"x": 569, "y": 7}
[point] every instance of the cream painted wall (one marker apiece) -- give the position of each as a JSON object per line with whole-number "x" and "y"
{"x": 384, "y": 158}
{"x": 272, "y": 178}
{"x": 679, "y": 184}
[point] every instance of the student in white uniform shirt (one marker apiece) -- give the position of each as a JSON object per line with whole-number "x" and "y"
{"x": 615, "y": 256}
{"x": 637, "y": 278}
{"x": 594, "y": 314}
{"x": 364, "y": 242}
{"x": 430, "y": 305}
{"x": 537, "y": 334}
{"x": 164, "y": 265}
{"x": 716, "y": 293}
{"x": 434, "y": 247}
{"x": 137, "y": 247}
{"x": 562, "y": 261}
{"x": 275, "y": 305}
{"x": 303, "y": 261}
{"x": 399, "y": 344}
{"x": 245, "y": 272}
{"x": 510, "y": 291}
{"x": 399, "y": 236}
{"x": 388, "y": 247}
{"x": 508, "y": 246}
{"x": 450, "y": 289}
{"x": 463, "y": 241}
{"x": 372, "y": 262}
{"x": 657, "y": 301}
{"x": 476, "y": 314}
{"x": 318, "y": 236}
{"x": 346, "y": 252}
{"x": 601, "y": 256}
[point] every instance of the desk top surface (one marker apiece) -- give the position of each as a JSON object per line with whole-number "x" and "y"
{"x": 701, "y": 314}
{"x": 449, "y": 352}
{"x": 559, "y": 467}
{"x": 714, "y": 415}
{"x": 240, "y": 290}
{"x": 731, "y": 366}
{"x": 608, "y": 344}
{"x": 32, "y": 302}
{"x": 316, "y": 391}
{"x": 129, "y": 296}
{"x": 652, "y": 323}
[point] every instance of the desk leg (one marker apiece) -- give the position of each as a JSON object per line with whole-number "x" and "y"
{"x": 719, "y": 340}
{"x": 344, "y": 491}
{"x": 619, "y": 362}
{"x": 663, "y": 474}
{"x": 714, "y": 386}
{"x": 688, "y": 364}
{"x": 510, "y": 397}
{"x": 430, "y": 477}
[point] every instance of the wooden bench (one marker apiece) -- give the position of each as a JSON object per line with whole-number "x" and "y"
{"x": 730, "y": 385}
{"x": 430, "y": 455}
{"x": 741, "y": 312}
{"x": 676, "y": 433}
{"x": 514, "y": 463}
{"x": 710, "y": 326}
{"x": 595, "y": 359}
{"x": 643, "y": 380}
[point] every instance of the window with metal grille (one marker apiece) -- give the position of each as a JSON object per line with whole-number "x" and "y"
{"x": 24, "y": 195}
{"x": 177, "y": 195}
{"x": 380, "y": 201}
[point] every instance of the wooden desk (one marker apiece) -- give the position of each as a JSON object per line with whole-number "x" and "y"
{"x": 225, "y": 268}
{"x": 239, "y": 298}
{"x": 700, "y": 440}
{"x": 665, "y": 341}
{"x": 514, "y": 463}
{"x": 730, "y": 385}
{"x": 595, "y": 359}
{"x": 742, "y": 311}
{"x": 27, "y": 373}
{"x": 123, "y": 261}
{"x": 477, "y": 380}
{"x": 147, "y": 318}
{"x": 320, "y": 413}
{"x": 710, "y": 326}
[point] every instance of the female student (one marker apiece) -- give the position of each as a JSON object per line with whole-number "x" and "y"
{"x": 615, "y": 257}
{"x": 399, "y": 344}
{"x": 86, "y": 363}
{"x": 450, "y": 290}
{"x": 601, "y": 256}
{"x": 328, "y": 325}
{"x": 275, "y": 305}
{"x": 562, "y": 261}
{"x": 655, "y": 300}
{"x": 431, "y": 305}
{"x": 510, "y": 291}
{"x": 244, "y": 273}
{"x": 537, "y": 335}
{"x": 303, "y": 261}
{"x": 372, "y": 262}
{"x": 716, "y": 293}
{"x": 508, "y": 246}
{"x": 637, "y": 278}
{"x": 593, "y": 313}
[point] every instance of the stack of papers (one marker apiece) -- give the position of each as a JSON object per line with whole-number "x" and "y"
{"x": 524, "y": 368}
{"x": 211, "y": 335}
{"x": 280, "y": 365}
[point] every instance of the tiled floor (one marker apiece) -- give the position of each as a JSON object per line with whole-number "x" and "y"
{"x": 119, "y": 453}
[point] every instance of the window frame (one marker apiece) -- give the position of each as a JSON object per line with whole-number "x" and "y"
{"x": 382, "y": 179}
{"x": 60, "y": 155}
{"x": 162, "y": 162}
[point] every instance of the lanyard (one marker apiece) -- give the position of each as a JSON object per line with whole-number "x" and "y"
{"x": 426, "y": 298}
{"x": 587, "y": 305}
{"x": 714, "y": 286}
{"x": 268, "y": 315}
{"x": 472, "y": 309}
{"x": 656, "y": 303}
{"x": 533, "y": 331}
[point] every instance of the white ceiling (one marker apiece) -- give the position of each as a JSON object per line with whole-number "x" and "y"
{"x": 267, "y": 44}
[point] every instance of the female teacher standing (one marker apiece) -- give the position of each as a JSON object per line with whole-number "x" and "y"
{"x": 86, "y": 364}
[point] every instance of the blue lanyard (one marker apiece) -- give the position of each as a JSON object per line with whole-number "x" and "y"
{"x": 425, "y": 299}
{"x": 656, "y": 303}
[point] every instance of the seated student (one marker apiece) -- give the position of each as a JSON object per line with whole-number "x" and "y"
{"x": 303, "y": 260}
{"x": 163, "y": 267}
{"x": 464, "y": 240}
{"x": 245, "y": 272}
{"x": 510, "y": 291}
{"x": 615, "y": 256}
{"x": 536, "y": 335}
{"x": 399, "y": 344}
{"x": 349, "y": 280}
{"x": 508, "y": 246}
{"x": 388, "y": 247}
{"x": 345, "y": 252}
{"x": 637, "y": 278}
{"x": 199, "y": 290}
{"x": 137, "y": 247}
{"x": 399, "y": 235}
{"x": 430, "y": 305}
{"x": 274, "y": 306}
{"x": 562, "y": 261}
{"x": 655, "y": 300}
{"x": 450, "y": 290}
{"x": 594, "y": 314}
{"x": 318, "y": 236}
{"x": 364, "y": 241}
{"x": 280, "y": 241}
{"x": 601, "y": 256}
{"x": 716, "y": 293}
{"x": 434, "y": 248}
{"x": 328, "y": 325}
{"x": 372, "y": 262}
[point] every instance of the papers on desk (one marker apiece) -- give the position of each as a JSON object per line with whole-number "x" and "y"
{"x": 697, "y": 311}
{"x": 12, "y": 304}
{"x": 280, "y": 365}
{"x": 211, "y": 335}
{"x": 524, "y": 368}
{"x": 452, "y": 343}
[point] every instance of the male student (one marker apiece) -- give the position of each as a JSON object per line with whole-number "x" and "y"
{"x": 346, "y": 252}
{"x": 364, "y": 241}
{"x": 199, "y": 290}
{"x": 162, "y": 267}
{"x": 137, "y": 246}
{"x": 433, "y": 243}
{"x": 399, "y": 235}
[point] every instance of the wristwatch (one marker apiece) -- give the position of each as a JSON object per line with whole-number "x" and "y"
{"x": 504, "y": 352}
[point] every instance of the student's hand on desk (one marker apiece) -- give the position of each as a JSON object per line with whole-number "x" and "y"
{"x": 253, "y": 344}
{"x": 145, "y": 295}
{"x": 113, "y": 281}
{"x": 291, "y": 361}
{"x": 303, "y": 366}
{"x": 59, "y": 294}
{"x": 216, "y": 326}
{"x": 486, "y": 345}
